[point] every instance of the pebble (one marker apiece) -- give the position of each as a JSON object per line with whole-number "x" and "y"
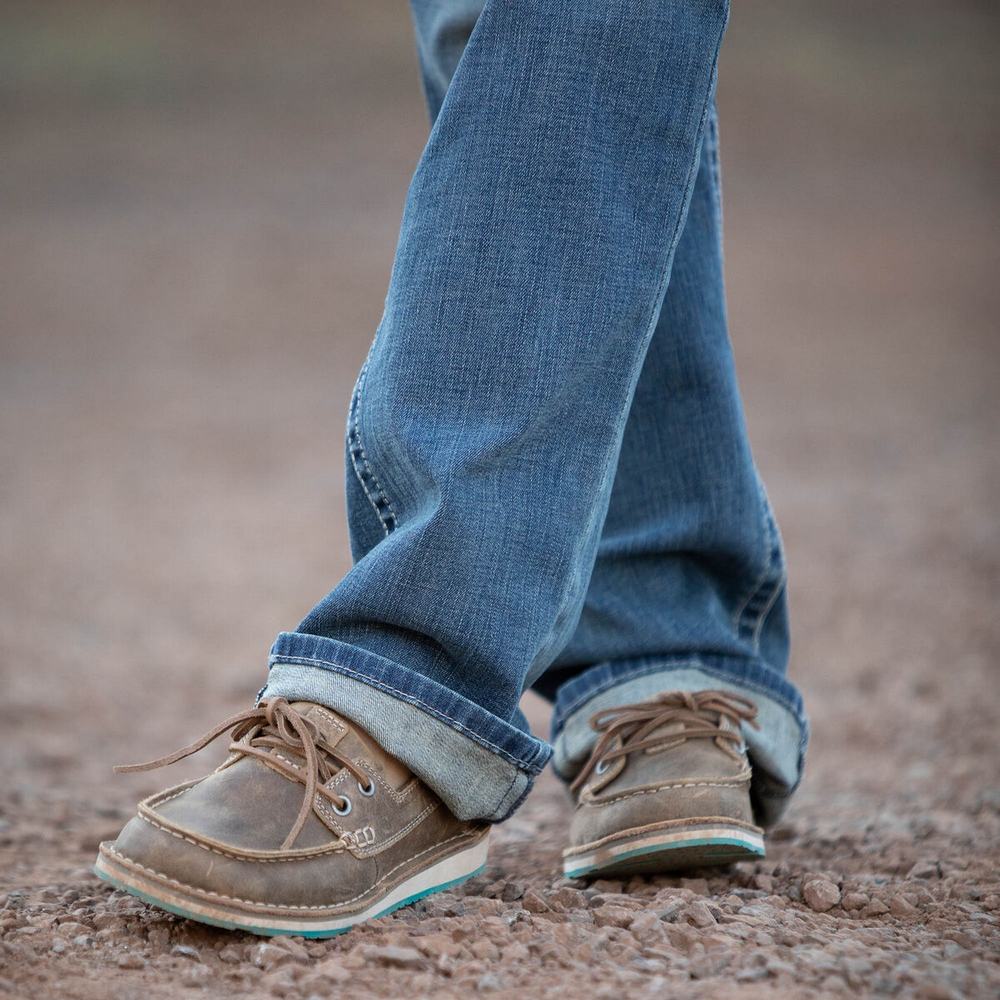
{"x": 395, "y": 956}
{"x": 645, "y": 925}
{"x": 186, "y": 951}
{"x": 534, "y": 903}
{"x": 699, "y": 914}
{"x": 820, "y": 894}
{"x": 854, "y": 901}
{"x": 130, "y": 960}
{"x": 671, "y": 910}
{"x": 613, "y": 916}
{"x": 268, "y": 956}
{"x": 566, "y": 898}
{"x": 900, "y": 906}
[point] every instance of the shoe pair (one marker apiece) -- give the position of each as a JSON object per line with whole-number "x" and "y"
{"x": 309, "y": 827}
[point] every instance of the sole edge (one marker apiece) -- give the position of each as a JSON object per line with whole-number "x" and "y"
{"x": 444, "y": 874}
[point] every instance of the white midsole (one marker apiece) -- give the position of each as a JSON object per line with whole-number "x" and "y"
{"x": 603, "y": 855}
{"x": 456, "y": 866}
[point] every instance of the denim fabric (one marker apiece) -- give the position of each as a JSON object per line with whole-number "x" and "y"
{"x": 549, "y": 480}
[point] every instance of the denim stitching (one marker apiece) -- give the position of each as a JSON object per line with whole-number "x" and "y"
{"x": 526, "y": 763}
{"x": 362, "y": 467}
{"x": 748, "y": 619}
{"x": 714, "y": 166}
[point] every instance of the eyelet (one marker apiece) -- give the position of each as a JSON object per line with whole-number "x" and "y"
{"x": 602, "y": 766}
{"x": 345, "y": 809}
{"x": 369, "y": 791}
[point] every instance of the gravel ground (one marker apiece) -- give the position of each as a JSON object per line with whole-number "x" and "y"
{"x": 199, "y": 216}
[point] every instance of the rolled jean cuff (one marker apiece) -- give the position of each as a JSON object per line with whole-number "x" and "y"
{"x": 776, "y": 749}
{"x": 478, "y": 764}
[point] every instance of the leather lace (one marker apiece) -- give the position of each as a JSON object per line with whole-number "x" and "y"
{"x": 627, "y": 729}
{"x": 275, "y": 726}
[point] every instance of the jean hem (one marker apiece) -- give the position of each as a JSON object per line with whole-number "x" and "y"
{"x": 746, "y": 673}
{"x": 505, "y": 740}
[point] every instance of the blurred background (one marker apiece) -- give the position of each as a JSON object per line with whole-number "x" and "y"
{"x": 198, "y": 210}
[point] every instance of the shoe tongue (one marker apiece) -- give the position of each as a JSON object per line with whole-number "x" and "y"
{"x": 353, "y": 741}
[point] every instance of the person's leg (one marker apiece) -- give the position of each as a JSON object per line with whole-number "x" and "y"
{"x": 485, "y": 428}
{"x": 688, "y": 590}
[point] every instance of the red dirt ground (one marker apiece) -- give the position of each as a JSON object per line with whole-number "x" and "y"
{"x": 199, "y": 216}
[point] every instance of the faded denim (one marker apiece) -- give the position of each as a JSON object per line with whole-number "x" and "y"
{"x": 549, "y": 478}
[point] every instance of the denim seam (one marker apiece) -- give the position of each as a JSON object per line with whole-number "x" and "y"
{"x": 527, "y": 764}
{"x": 364, "y": 470}
{"x": 766, "y": 610}
{"x": 753, "y": 609}
{"x": 665, "y": 667}
{"x": 715, "y": 168}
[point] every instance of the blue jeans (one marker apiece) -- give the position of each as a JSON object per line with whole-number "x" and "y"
{"x": 549, "y": 479}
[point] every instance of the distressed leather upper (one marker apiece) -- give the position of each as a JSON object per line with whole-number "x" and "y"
{"x": 653, "y": 771}
{"x": 223, "y": 835}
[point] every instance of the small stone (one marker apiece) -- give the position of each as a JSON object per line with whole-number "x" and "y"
{"x": 820, "y": 895}
{"x": 534, "y": 903}
{"x": 231, "y": 954}
{"x": 672, "y": 910}
{"x": 854, "y": 901}
{"x": 699, "y": 914}
{"x": 58, "y": 946}
{"x": 130, "y": 961}
{"x": 395, "y": 956}
{"x": 566, "y": 898}
{"x": 900, "y": 906}
{"x": 512, "y": 892}
{"x": 925, "y": 869}
{"x": 484, "y": 949}
{"x": 186, "y": 951}
{"x": 268, "y": 956}
{"x": 296, "y": 949}
{"x": 645, "y": 925}
{"x": 488, "y": 983}
{"x": 875, "y": 909}
{"x": 612, "y": 916}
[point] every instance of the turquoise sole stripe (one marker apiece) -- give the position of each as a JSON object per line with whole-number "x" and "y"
{"x": 665, "y": 848}
{"x": 263, "y": 931}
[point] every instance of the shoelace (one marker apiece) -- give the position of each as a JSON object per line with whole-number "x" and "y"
{"x": 699, "y": 712}
{"x": 275, "y": 725}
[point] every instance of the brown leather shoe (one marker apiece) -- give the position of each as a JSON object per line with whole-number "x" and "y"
{"x": 667, "y": 787}
{"x": 309, "y": 827}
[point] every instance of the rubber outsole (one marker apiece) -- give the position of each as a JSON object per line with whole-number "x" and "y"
{"x": 173, "y": 900}
{"x": 681, "y": 853}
